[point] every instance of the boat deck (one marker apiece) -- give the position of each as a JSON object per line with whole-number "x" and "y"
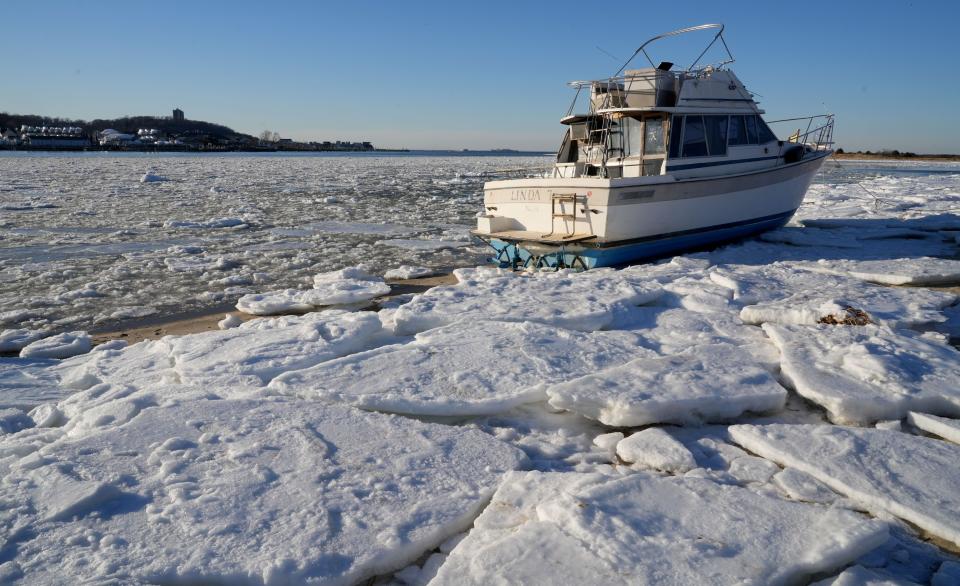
{"x": 531, "y": 236}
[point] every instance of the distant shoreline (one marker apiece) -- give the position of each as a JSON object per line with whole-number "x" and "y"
{"x": 892, "y": 157}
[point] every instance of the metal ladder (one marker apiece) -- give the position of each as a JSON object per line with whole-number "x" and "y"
{"x": 600, "y": 137}
{"x": 562, "y": 198}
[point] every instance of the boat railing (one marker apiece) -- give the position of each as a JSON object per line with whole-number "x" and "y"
{"x": 818, "y": 133}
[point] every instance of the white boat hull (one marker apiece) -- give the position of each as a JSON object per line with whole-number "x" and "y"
{"x": 618, "y": 220}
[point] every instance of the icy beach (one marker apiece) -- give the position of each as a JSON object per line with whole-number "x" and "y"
{"x": 783, "y": 410}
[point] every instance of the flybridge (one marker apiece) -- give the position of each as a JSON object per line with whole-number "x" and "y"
{"x": 639, "y": 118}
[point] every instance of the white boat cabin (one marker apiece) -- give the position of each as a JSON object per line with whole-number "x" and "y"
{"x": 656, "y": 122}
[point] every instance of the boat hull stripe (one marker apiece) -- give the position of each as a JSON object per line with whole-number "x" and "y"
{"x": 717, "y": 163}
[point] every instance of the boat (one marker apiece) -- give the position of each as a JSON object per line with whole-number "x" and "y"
{"x": 664, "y": 160}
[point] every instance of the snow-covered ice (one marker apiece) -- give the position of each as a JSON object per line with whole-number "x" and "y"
{"x": 229, "y": 321}
{"x": 860, "y": 576}
{"x": 703, "y": 383}
{"x": 62, "y": 345}
{"x": 350, "y": 285}
{"x": 196, "y": 458}
{"x": 914, "y": 478}
{"x": 15, "y": 340}
{"x": 151, "y": 177}
{"x": 897, "y": 271}
{"x": 569, "y": 528}
{"x": 800, "y": 486}
{"x": 206, "y": 224}
{"x": 466, "y": 368}
{"x": 654, "y": 449}
{"x": 864, "y": 374}
{"x": 885, "y": 305}
{"x": 254, "y": 492}
{"x": 25, "y": 383}
{"x": 584, "y": 301}
{"x": 948, "y": 429}
{"x": 231, "y": 360}
{"x": 404, "y": 272}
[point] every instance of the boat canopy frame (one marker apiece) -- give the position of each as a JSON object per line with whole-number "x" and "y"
{"x": 682, "y": 31}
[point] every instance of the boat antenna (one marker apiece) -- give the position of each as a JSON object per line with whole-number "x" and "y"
{"x": 607, "y": 53}
{"x": 642, "y": 48}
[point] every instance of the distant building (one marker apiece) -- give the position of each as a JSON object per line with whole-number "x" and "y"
{"x": 111, "y": 137}
{"x": 178, "y": 115}
{"x": 53, "y": 137}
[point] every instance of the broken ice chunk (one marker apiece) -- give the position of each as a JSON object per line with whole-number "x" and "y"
{"x": 705, "y": 383}
{"x": 570, "y": 528}
{"x": 469, "y": 368}
{"x": 948, "y": 429}
{"x": 914, "y": 478}
{"x": 655, "y": 449}
{"x": 60, "y": 346}
{"x": 865, "y": 374}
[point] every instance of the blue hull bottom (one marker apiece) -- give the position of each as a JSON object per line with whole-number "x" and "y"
{"x": 583, "y": 256}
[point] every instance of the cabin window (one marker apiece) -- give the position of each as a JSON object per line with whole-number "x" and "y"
{"x": 615, "y": 139}
{"x": 716, "y": 127}
{"x": 766, "y": 135}
{"x": 634, "y": 136}
{"x": 694, "y": 137}
{"x": 751, "y": 129}
{"x": 737, "y": 134}
{"x": 653, "y": 137}
{"x": 676, "y": 129}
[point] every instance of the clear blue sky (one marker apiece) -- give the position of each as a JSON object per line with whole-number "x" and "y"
{"x": 470, "y": 75}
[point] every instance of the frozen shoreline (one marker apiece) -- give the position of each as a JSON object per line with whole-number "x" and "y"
{"x": 655, "y": 422}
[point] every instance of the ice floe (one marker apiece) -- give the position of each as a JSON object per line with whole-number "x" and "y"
{"x": 654, "y": 449}
{"x": 350, "y": 285}
{"x": 911, "y": 477}
{"x": 584, "y": 301}
{"x": 151, "y": 177}
{"x": 591, "y": 528}
{"x": 15, "y": 340}
{"x": 811, "y": 304}
{"x": 248, "y": 356}
{"x": 948, "y": 429}
{"x": 703, "y": 383}
{"x": 404, "y": 272}
{"x": 236, "y": 223}
{"x": 229, "y": 321}
{"x": 923, "y": 271}
{"x": 860, "y": 576}
{"x": 466, "y": 368}
{"x": 62, "y": 345}
{"x": 864, "y": 374}
{"x": 254, "y": 492}
{"x": 422, "y": 245}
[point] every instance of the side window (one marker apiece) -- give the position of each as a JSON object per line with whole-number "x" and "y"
{"x": 653, "y": 136}
{"x": 615, "y": 139}
{"x": 751, "y": 129}
{"x": 676, "y": 130}
{"x": 694, "y": 138}
{"x": 738, "y": 131}
{"x": 632, "y": 127}
{"x": 716, "y": 134}
{"x": 766, "y": 135}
